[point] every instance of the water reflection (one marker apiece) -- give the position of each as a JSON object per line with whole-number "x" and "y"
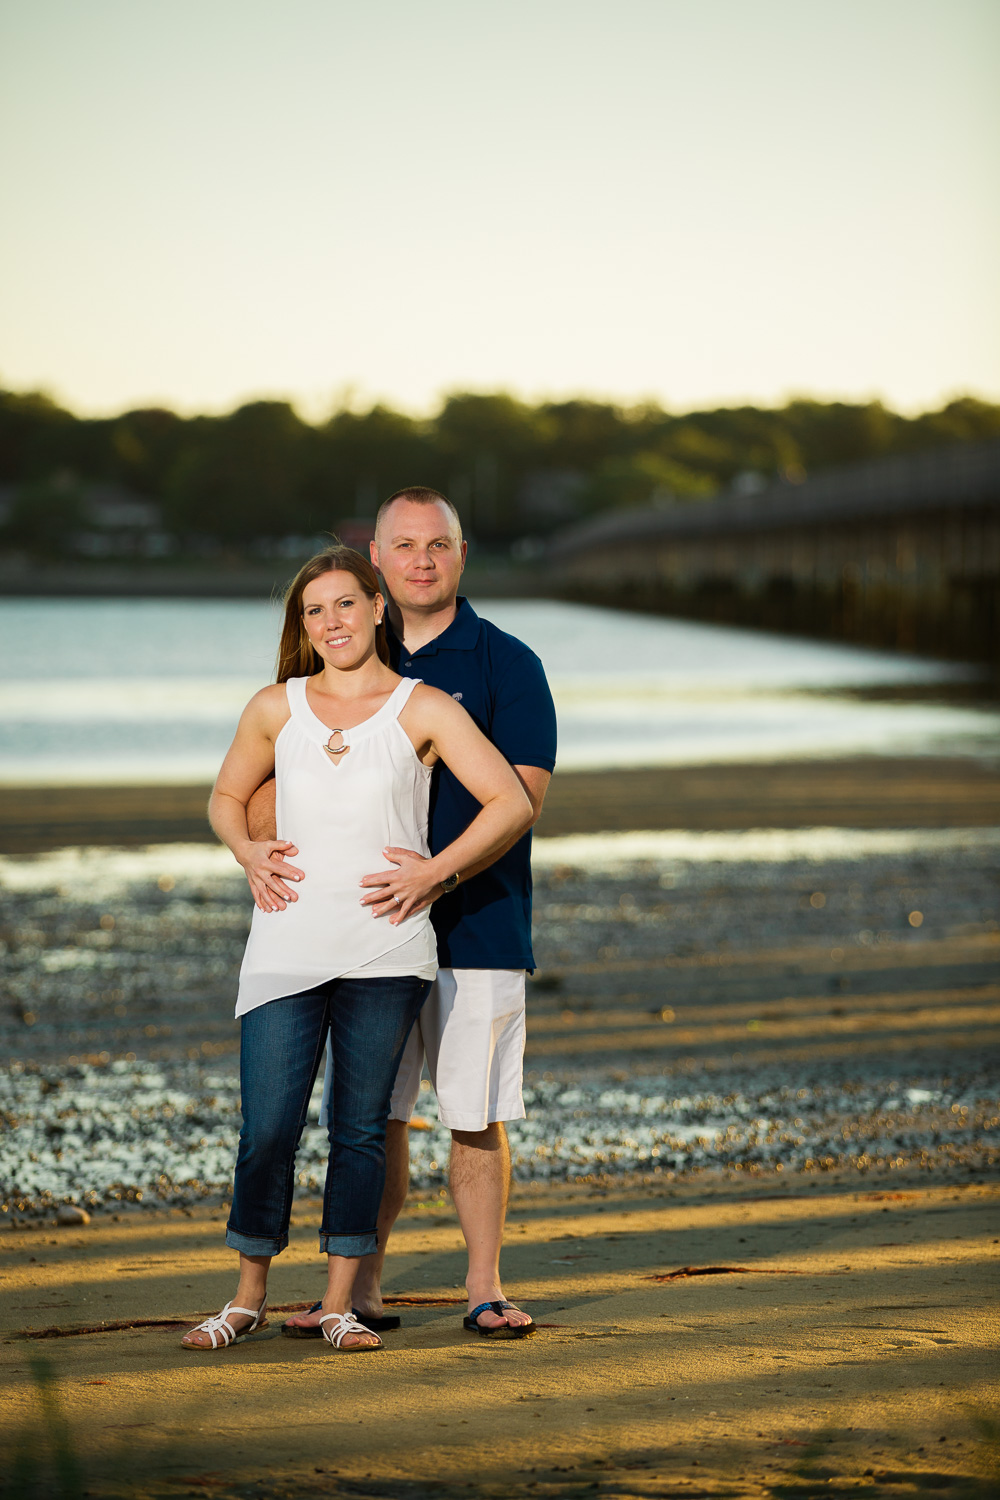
{"x": 147, "y": 691}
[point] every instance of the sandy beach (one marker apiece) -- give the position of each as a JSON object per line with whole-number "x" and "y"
{"x": 839, "y": 1342}
{"x": 756, "y": 1202}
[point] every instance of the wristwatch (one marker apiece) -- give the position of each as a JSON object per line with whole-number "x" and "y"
{"x": 449, "y": 883}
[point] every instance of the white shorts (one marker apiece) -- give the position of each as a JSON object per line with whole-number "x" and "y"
{"x": 470, "y": 1031}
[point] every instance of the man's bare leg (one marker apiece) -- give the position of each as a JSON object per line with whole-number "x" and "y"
{"x": 480, "y": 1186}
{"x": 367, "y": 1293}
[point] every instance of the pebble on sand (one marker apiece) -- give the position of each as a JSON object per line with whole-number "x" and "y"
{"x": 70, "y": 1214}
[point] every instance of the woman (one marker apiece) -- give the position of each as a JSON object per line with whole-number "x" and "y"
{"x": 352, "y": 746}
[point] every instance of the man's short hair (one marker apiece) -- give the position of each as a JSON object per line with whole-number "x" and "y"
{"x": 418, "y": 494}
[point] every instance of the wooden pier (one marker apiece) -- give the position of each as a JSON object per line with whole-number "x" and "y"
{"x": 902, "y": 552}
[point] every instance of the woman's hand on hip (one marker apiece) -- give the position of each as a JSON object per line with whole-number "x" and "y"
{"x": 267, "y": 872}
{"x": 401, "y": 892}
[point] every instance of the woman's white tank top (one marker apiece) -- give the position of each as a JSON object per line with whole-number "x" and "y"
{"x": 340, "y": 812}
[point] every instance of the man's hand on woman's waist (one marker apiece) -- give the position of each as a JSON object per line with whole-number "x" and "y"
{"x": 264, "y": 863}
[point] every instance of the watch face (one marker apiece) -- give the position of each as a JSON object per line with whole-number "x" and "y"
{"x": 449, "y": 883}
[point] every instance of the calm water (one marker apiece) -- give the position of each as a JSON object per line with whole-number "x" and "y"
{"x": 137, "y": 690}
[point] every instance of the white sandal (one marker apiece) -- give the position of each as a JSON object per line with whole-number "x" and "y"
{"x": 218, "y": 1326}
{"x": 347, "y": 1323}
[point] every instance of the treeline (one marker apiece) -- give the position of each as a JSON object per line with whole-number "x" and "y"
{"x": 515, "y": 470}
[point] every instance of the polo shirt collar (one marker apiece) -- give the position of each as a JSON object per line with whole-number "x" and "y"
{"x": 461, "y": 635}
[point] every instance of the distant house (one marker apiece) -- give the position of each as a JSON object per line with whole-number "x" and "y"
{"x": 76, "y": 517}
{"x": 110, "y": 508}
{"x": 357, "y": 532}
{"x": 119, "y": 523}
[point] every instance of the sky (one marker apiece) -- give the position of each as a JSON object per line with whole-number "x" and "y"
{"x": 702, "y": 202}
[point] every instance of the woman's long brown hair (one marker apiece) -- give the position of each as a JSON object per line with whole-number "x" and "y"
{"x": 297, "y": 657}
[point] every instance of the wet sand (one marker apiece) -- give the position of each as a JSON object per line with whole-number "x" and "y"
{"x": 858, "y": 792}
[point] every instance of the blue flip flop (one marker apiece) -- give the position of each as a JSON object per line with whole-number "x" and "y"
{"x": 505, "y": 1331}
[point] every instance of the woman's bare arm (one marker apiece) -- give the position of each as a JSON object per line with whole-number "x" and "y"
{"x": 248, "y": 761}
{"x": 440, "y": 728}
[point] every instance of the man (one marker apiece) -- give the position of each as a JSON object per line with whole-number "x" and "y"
{"x": 471, "y": 1029}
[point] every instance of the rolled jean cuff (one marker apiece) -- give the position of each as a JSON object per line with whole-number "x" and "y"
{"x": 254, "y": 1244}
{"x": 351, "y": 1245}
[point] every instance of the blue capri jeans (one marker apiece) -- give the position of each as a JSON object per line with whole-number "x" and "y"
{"x": 281, "y": 1046}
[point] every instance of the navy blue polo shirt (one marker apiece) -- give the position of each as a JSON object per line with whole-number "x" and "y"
{"x": 486, "y": 922}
